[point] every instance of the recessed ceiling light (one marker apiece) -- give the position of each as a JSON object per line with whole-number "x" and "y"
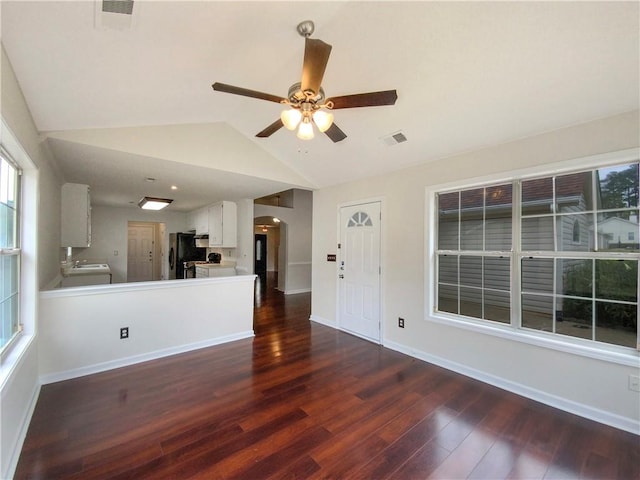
{"x": 173, "y": 187}
{"x": 150, "y": 179}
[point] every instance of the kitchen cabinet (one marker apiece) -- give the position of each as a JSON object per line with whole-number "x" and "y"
{"x": 208, "y": 271}
{"x": 201, "y": 221}
{"x": 223, "y": 225}
{"x": 76, "y": 215}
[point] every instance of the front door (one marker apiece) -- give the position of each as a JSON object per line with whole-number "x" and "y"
{"x": 359, "y": 270}
{"x": 140, "y": 253}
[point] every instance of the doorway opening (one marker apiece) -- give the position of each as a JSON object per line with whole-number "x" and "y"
{"x": 270, "y": 251}
{"x": 145, "y": 251}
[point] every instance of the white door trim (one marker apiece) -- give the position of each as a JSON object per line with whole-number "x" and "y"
{"x": 383, "y": 255}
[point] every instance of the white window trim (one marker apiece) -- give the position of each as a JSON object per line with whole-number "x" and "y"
{"x": 12, "y": 355}
{"x": 586, "y": 348}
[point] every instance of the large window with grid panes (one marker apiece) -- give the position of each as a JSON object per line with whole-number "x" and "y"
{"x": 550, "y": 255}
{"x": 9, "y": 250}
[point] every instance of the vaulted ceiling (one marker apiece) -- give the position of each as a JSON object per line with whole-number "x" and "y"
{"x": 128, "y": 97}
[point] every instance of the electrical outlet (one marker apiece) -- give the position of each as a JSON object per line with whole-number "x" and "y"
{"x": 400, "y": 322}
{"x": 124, "y": 332}
{"x": 634, "y": 383}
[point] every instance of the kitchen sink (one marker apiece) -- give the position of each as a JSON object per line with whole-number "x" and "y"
{"x": 94, "y": 266}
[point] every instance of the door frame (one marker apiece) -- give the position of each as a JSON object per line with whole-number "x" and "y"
{"x": 383, "y": 256}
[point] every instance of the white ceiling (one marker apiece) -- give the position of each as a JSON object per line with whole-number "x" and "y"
{"x": 468, "y": 75}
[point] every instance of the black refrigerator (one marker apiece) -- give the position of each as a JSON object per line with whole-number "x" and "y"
{"x": 182, "y": 248}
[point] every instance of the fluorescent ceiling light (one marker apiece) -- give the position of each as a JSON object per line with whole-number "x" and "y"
{"x": 151, "y": 203}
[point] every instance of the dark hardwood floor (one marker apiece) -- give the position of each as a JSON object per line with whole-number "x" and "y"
{"x": 303, "y": 401}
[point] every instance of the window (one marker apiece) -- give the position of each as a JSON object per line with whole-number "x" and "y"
{"x": 9, "y": 250}
{"x": 552, "y": 254}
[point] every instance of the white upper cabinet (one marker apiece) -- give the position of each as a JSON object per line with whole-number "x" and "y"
{"x": 223, "y": 225}
{"x": 76, "y": 216}
{"x": 201, "y": 221}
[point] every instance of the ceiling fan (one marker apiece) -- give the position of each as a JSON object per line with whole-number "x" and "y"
{"x": 306, "y": 99}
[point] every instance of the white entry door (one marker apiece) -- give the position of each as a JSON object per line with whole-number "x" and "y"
{"x": 359, "y": 270}
{"x": 140, "y": 253}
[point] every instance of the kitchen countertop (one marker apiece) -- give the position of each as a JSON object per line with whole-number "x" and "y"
{"x": 217, "y": 265}
{"x": 87, "y": 269}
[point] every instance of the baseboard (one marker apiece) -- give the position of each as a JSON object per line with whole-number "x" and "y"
{"x": 322, "y": 321}
{"x": 299, "y": 290}
{"x": 145, "y": 357}
{"x": 17, "y": 447}
{"x": 591, "y": 413}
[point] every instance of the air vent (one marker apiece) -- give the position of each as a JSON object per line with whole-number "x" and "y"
{"x": 124, "y": 7}
{"x": 394, "y": 138}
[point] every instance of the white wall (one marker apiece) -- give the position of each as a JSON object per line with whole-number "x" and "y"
{"x": 19, "y": 384}
{"x": 298, "y": 238}
{"x": 80, "y": 327}
{"x": 587, "y": 386}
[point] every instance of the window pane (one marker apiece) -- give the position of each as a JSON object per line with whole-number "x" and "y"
{"x": 617, "y": 280}
{"x": 576, "y": 277}
{"x": 471, "y": 302}
{"x": 447, "y": 298}
{"x": 537, "y": 234}
{"x": 618, "y": 186}
{"x": 8, "y": 192}
{"x": 498, "y": 217}
{"x": 471, "y": 219}
{"x": 497, "y": 306}
{"x": 537, "y": 196}
{"x": 537, "y": 312}
{"x": 537, "y": 275}
{"x": 448, "y": 216}
{"x": 497, "y": 273}
{"x": 574, "y": 317}
{"x": 8, "y": 297}
{"x": 471, "y": 271}
{"x": 616, "y": 323}
{"x": 448, "y": 269}
{"x": 618, "y": 231}
{"x": 575, "y": 232}
{"x": 573, "y": 192}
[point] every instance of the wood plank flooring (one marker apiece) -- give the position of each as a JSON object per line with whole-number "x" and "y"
{"x": 303, "y": 401}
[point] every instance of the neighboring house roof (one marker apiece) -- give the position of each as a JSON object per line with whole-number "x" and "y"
{"x": 569, "y": 188}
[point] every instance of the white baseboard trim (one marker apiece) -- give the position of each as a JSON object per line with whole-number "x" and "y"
{"x": 323, "y": 321}
{"x": 145, "y": 357}
{"x": 591, "y": 413}
{"x": 299, "y": 290}
{"x": 17, "y": 447}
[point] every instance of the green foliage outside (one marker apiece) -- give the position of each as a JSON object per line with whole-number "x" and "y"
{"x": 615, "y": 280}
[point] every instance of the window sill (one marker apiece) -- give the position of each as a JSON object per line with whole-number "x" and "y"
{"x": 611, "y": 354}
{"x": 12, "y": 357}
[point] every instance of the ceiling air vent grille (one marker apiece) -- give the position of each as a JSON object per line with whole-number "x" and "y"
{"x": 394, "y": 138}
{"x": 124, "y": 7}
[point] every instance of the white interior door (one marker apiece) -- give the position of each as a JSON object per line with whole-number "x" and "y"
{"x": 140, "y": 253}
{"x": 359, "y": 270}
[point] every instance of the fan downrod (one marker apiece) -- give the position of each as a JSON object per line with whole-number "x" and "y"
{"x": 306, "y": 28}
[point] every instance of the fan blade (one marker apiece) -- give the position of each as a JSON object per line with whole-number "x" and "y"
{"x": 223, "y": 87}
{"x": 316, "y": 56}
{"x": 372, "y": 99}
{"x": 335, "y": 134}
{"x": 271, "y": 129}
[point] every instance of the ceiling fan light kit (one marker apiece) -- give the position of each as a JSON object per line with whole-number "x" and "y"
{"x": 306, "y": 100}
